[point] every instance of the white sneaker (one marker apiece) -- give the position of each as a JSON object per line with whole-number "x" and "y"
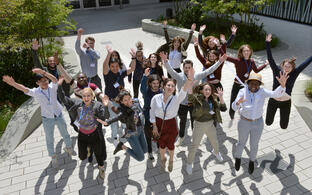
{"x": 101, "y": 172}
{"x": 115, "y": 142}
{"x": 230, "y": 123}
{"x": 189, "y": 169}
{"x": 218, "y": 156}
{"x": 54, "y": 162}
{"x": 69, "y": 151}
{"x": 181, "y": 139}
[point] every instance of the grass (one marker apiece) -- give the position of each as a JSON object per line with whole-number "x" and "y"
{"x": 308, "y": 90}
{"x": 6, "y": 112}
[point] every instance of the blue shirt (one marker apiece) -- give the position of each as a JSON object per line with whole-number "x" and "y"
{"x": 111, "y": 79}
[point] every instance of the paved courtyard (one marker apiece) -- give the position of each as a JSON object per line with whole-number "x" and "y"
{"x": 284, "y": 157}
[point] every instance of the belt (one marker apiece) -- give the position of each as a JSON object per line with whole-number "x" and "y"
{"x": 247, "y": 119}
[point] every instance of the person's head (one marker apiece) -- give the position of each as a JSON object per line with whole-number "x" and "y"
{"x": 124, "y": 98}
{"x": 51, "y": 62}
{"x": 213, "y": 55}
{"x": 169, "y": 86}
{"x": 210, "y": 43}
{"x": 139, "y": 52}
{"x": 206, "y": 89}
{"x": 115, "y": 55}
{"x": 176, "y": 43}
{"x": 288, "y": 65}
{"x": 90, "y": 41}
{"x": 187, "y": 65}
{"x": 153, "y": 82}
{"x": 114, "y": 65}
{"x": 254, "y": 81}
{"x": 82, "y": 79}
{"x": 87, "y": 96}
{"x": 153, "y": 59}
{"x": 42, "y": 81}
{"x": 245, "y": 52}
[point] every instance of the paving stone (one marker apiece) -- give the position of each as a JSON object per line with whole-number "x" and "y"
{"x": 13, "y": 188}
{"x": 5, "y": 182}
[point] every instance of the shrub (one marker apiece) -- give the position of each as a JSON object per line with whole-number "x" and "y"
{"x": 308, "y": 90}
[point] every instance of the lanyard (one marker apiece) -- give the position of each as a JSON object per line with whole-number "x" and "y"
{"x": 248, "y": 66}
{"x": 82, "y": 113}
{"x": 45, "y": 95}
{"x": 210, "y": 105}
{"x": 165, "y": 109}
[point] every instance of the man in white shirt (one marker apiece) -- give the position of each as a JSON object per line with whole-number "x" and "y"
{"x": 51, "y": 109}
{"x": 249, "y": 102}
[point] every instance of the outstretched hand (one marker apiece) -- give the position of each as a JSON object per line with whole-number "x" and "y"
{"x": 222, "y": 38}
{"x": 109, "y": 49}
{"x": 223, "y": 58}
{"x": 102, "y": 122}
{"x": 241, "y": 100}
{"x": 80, "y": 31}
{"x": 105, "y": 100}
{"x": 282, "y": 79}
{"x": 219, "y": 93}
{"x": 146, "y": 71}
{"x": 202, "y": 28}
{"x": 234, "y": 29}
{"x": 38, "y": 71}
{"x": 8, "y": 79}
{"x": 163, "y": 56}
{"x": 193, "y": 27}
{"x": 268, "y": 38}
{"x": 132, "y": 53}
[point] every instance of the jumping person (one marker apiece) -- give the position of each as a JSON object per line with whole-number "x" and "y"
{"x": 249, "y": 102}
{"x": 150, "y": 86}
{"x": 206, "y": 113}
{"x": 181, "y": 78}
{"x": 243, "y": 66}
{"x": 88, "y": 58}
{"x": 113, "y": 77}
{"x": 283, "y": 103}
{"x": 176, "y": 48}
{"x": 163, "y": 112}
{"x": 131, "y": 114}
{"x": 51, "y": 109}
{"x": 86, "y": 112}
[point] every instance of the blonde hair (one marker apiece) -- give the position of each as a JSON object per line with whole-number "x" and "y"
{"x": 88, "y": 90}
{"x": 240, "y": 51}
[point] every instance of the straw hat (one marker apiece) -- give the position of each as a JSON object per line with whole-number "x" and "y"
{"x": 255, "y": 76}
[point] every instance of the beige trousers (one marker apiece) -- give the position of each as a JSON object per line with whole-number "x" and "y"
{"x": 201, "y": 128}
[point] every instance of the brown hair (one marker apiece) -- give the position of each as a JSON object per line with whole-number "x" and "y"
{"x": 197, "y": 90}
{"x": 89, "y": 39}
{"x": 290, "y": 61}
{"x": 177, "y": 38}
{"x": 205, "y": 42}
{"x": 187, "y": 62}
{"x": 139, "y": 46}
{"x": 121, "y": 95}
{"x": 208, "y": 62}
{"x": 168, "y": 80}
{"x": 240, "y": 51}
{"x": 153, "y": 77}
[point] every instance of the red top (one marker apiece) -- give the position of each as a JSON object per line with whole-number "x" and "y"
{"x": 217, "y": 73}
{"x": 243, "y": 67}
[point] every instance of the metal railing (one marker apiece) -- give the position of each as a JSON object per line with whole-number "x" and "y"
{"x": 297, "y": 11}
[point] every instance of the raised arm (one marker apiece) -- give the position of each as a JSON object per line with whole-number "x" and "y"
{"x": 35, "y": 47}
{"x": 103, "y": 112}
{"x": 232, "y": 36}
{"x": 211, "y": 69}
{"x": 186, "y": 44}
{"x": 78, "y": 41}
{"x": 200, "y": 36}
{"x": 272, "y": 63}
{"x": 173, "y": 73}
{"x": 143, "y": 87}
{"x": 46, "y": 74}
{"x": 166, "y": 32}
{"x": 67, "y": 77}
{"x": 106, "y": 61}
{"x": 279, "y": 91}
{"x": 255, "y": 68}
{"x": 233, "y": 60}
{"x": 133, "y": 62}
{"x": 95, "y": 54}
{"x": 10, "y": 81}
{"x": 239, "y": 99}
{"x": 198, "y": 55}
{"x": 302, "y": 66}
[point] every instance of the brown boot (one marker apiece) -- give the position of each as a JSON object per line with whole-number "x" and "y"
{"x": 163, "y": 164}
{"x": 170, "y": 166}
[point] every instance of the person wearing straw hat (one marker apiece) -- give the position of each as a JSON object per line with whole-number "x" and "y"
{"x": 249, "y": 102}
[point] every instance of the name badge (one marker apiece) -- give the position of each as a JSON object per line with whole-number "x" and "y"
{"x": 116, "y": 85}
{"x": 92, "y": 65}
{"x": 246, "y": 75}
{"x": 211, "y": 76}
{"x": 211, "y": 112}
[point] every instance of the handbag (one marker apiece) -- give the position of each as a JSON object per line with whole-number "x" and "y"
{"x": 157, "y": 137}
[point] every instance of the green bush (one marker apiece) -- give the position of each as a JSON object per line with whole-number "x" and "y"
{"x": 309, "y": 89}
{"x": 6, "y": 112}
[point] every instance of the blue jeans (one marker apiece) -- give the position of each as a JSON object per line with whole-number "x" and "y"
{"x": 48, "y": 126}
{"x": 114, "y": 126}
{"x": 138, "y": 145}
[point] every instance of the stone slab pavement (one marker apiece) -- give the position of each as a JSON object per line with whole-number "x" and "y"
{"x": 284, "y": 158}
